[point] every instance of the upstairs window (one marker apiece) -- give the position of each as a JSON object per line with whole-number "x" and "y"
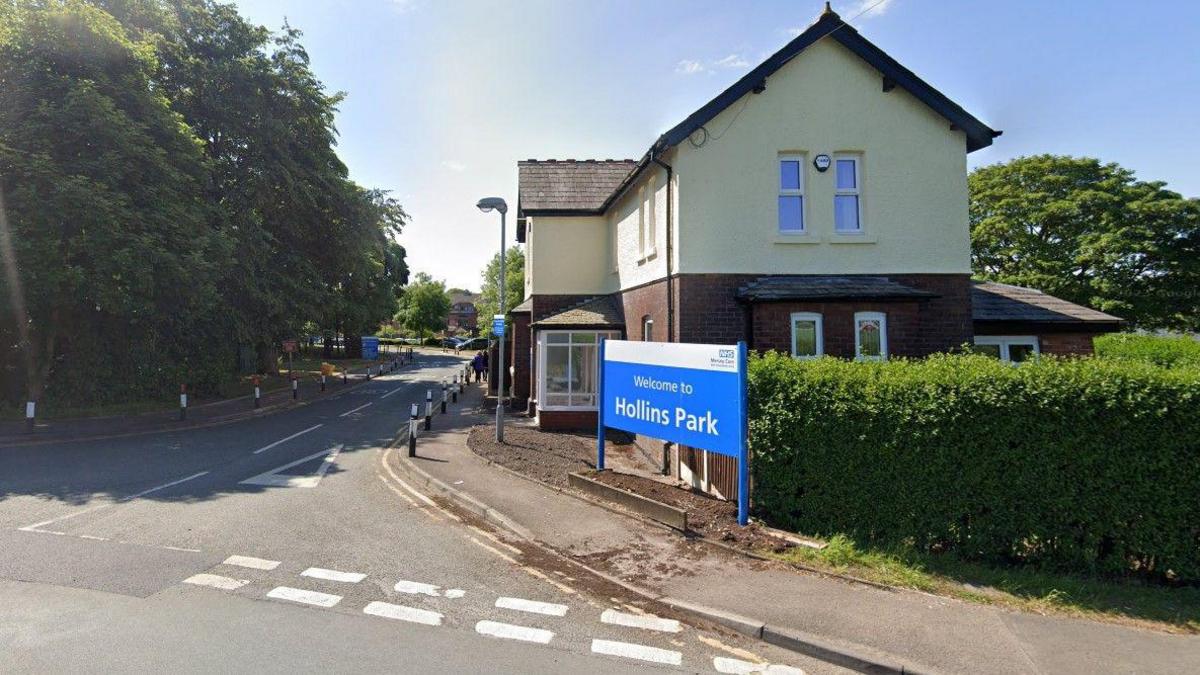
{"x": 847, "y": 201}
{"x": 648, "y": 248}
{"x": 808, "y": 340}
{"x": 870, "y": 336}
{"x": 791, "y": 194}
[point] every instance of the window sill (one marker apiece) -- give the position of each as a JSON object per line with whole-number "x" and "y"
{"x": 567, "y": 408}
{"x": 799, "y": 238}
{"x": 648, "y": 256}
{"x": 852, "y": 238}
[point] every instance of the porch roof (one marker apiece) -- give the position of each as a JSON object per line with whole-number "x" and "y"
{"x": 991, "y": 301}
{"x": 599, "y": 312}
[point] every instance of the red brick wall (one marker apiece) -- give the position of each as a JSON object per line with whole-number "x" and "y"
{"x": 649, "y": 300}
{"x": 522, "y": 360}
{"x": 709, "y": 312}
{"x": 567, "y": 420}
{"x": 1064, "y": 344}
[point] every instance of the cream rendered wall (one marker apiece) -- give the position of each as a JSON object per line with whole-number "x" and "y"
{"x": 567, "y": 255}
{"x": 827, "y": 100}
{"x": 632, "y": 268}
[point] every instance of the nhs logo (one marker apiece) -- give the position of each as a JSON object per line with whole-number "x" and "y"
{"x": 727, "y": 353}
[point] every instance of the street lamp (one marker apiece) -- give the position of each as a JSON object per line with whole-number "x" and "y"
{"x": 486, "y": 205}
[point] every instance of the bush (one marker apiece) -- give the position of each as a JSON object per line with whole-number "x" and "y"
{"x": 1162, "y": 350}
{"x": 1085, "y": 465}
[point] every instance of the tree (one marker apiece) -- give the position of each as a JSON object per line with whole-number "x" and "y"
{"x": 514, "y": 285}
{"x": 1089, "y": 233}
{"x": 424, "y": 306}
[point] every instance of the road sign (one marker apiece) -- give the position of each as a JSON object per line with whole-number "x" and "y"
{"x": 692, "y": 394}
{"x": 289, "y": 346}
{"x": 498, "y": 325}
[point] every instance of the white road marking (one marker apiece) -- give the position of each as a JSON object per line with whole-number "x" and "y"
{"x": 402, "y": 613}
{"x": 36, "y": 526}
{"x": 454, "y": 593}
{"x": 252, "y": 563}
{"x": 396, "y": 390}
{"x": 285, "y": 440}
{"x": 724, "y": 664}
{"x": 333, "y": 575}
{"x": 533, "y": 606}
{"x": 510, "y": 631}
{"x": 642, "y": 652}
{"x": 305, "y": 597}
{"x": 354, "y": 410}
{"x": 417, "y": 588}
{"x": 216, "y": 581}
{"x": 273, "y": 478}
{"x": 640, "y": 621}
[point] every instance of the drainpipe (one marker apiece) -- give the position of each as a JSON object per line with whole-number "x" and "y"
{"x": 670, "y": 281}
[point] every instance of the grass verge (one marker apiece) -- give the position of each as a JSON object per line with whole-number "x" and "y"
{"x": 1175, "y": 610}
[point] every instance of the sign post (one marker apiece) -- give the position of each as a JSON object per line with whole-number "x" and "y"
{"x": 691, "y": 394}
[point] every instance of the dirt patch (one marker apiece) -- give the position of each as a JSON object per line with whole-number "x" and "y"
{"x": 549, "y": 457}
{"x": 708, "y": 517}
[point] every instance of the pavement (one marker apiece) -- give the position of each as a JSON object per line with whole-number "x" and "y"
{"x": 859, "y": 626}
{"x": 204, "y": 414}
{"x": 292, "y": 542}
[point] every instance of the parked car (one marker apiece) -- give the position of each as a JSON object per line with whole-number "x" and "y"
{"x": 474, "y": 344}
{"x": 451, "y": 342}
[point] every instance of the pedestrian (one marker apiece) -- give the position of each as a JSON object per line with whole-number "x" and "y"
{"x": 477, "y": 365}
{"x": 484, "y": 354}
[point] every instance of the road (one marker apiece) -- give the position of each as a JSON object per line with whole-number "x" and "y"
{"x": 292, "y": 542}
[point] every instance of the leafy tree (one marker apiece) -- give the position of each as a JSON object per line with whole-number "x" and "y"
{"x": 1090, "y": 233}
{"x": 514, "y": 285}
{"x": 424, "y": 306}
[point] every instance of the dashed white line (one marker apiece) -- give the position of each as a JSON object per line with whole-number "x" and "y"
{"x": 454, "y": 593}
{"x": 216, "y": 581}
{"x": 306, "y": 597}
{"x": 533, "y": 606}
{"x": 333, "y": 575}
{"x": 285, "y": 440}
{"x": 724, "y": 664}
{"x": 510, "y": 631}
{"x": 640, "y": 652}
{"x": 394, "y": 391}
{"x": 274, "y": 478}
{"x": 36, "y": 526}
{"x": 417, "y": 588}
{"x": 402, "y": 613}
{"x": 647, "y": 622}
{"x": 252, "y": 563}
{"x": 354, "y": 410}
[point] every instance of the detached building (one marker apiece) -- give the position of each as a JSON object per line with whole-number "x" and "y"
{"x": 817, "y": 206}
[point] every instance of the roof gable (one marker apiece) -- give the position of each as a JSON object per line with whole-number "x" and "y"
{"x": 568, "y": 186}
{"x": 979, "y": 135}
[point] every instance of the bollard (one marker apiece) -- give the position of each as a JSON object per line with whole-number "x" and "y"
{"x": 412, "y": 433}
{"x": 444, "y": 394}
{"x": 344, "y": 376}
{"x": 454, "y": 391}
{"x": 30, "y": 409}
{"x": 428, "y": 409}
{"x": 257, "y": 393}
{"x": 182, "y": 402}
{"x": 295, "y": 388}
{"x": 368, "y": 373}
{"x": 322, "y": 382}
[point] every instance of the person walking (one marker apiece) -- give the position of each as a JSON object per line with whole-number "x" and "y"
{"x": 477, "y": 365}
{"x": 484, "y": 354}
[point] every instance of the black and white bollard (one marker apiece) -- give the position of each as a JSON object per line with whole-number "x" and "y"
{"x": 295, "y": 388}
{"x": 322, "y": 382}
{"x": 257, "y": 393}
{"x": 30, "y": 410}
{"x": 412, "y": 433}
{"x": 368, "y": 372}
{"x": 345, "y": 376}
{"x": 445, "y": 395}
{"x": 428, "y": 409}
{"x": 454, "y": 391}
{"x": 182, "y": 402}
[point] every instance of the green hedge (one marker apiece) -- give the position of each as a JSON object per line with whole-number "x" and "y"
{"x": 1162, "y": 350}
{"x": 1081, "y": 465}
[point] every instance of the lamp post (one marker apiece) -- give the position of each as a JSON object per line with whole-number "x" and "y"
{"x": 486, "y": 205}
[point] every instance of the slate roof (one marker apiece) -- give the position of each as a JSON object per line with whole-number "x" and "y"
{"x": 568, "y": 185}
{"x": 601, "y": 311}
{"x": 992, "y": 301}
{"x": 768, "y": 289}
{"x": 524, "y": 308}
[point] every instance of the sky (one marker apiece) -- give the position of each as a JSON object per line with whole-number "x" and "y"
{"x": 445, "y": 96}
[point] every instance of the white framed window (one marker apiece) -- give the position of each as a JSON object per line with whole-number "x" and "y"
{"x": 613, "y": 241}
{"x": 647, "y": 329}
{"x": 870, "y": 336}
{"x": 847, "y": 198}
{"x": 808, "y": 335}
{"x": 651, "y": 217}
{"x": 791, "y": 194}
{"x": 568, "y": 367}
{"x": 1008, "y": 348}
{"x": 642, "y": 222}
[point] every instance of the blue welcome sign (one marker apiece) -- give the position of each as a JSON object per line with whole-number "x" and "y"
{"x": 691, "y": 394}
